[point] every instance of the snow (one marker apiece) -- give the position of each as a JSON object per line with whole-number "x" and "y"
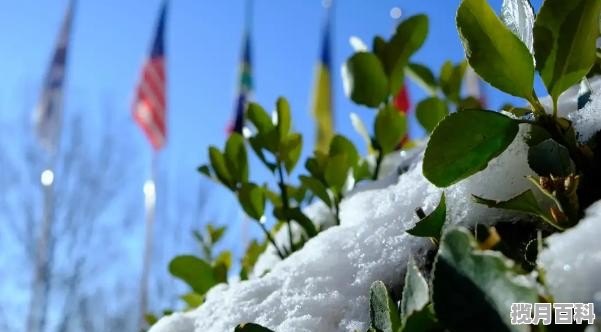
{"x": 572, "y": 261}
{"x": 325, "y": 285}
{"x": 587, "y": 121}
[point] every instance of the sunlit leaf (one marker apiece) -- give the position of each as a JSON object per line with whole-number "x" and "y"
{"x": 364, "y": 79}
{"x": 195, "y": 272}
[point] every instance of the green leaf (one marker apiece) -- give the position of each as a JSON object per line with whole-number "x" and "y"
{"x": 550, "y": 158}
{"x": 290, "y": 150}
{"x": 474, "y": 289}
{"x": 451, "y": 78}
{"x": 251, "y": 255}
{"x": 415, "y": 293}
{"x": 259, "y": 118}
{"x": 151, "y": 319}
{"x": 284, "y": 122}
{"x": 336, "y": 171}
{"x": 423, "y": 320}
{"x": 408, "y": 38}
{"x": 464, "y": 142}
{"x": 430, "y": 111}
{"x": 565, "y": 34}
{"x": 524, "y": 202}
{"x": 235, "y": 157}
{"x": 317, "y": 188}
{"x": 219, "y": 166}
{"x": 204, "y": 169}
{"x": 194, "y": 271}
{"x": 495, "y": 53}
{"x": 193, "y": 300}
{"x": 251, "y": 327}
{"x": 383, "y": 311}
{"x": 297, "y": 215}
{"x": 340, "y": 145}
{"x": 431, "y": 225}
{"x": 365, "y": 81}
{"x": 390, "y": 128}
{"x": 423, "y": 76}
{"x": 252, "y": 199}
{"x": 215, "y": 233}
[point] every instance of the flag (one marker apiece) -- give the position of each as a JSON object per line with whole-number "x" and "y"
{"x": 401, "y": 100}
{"x": 473, "y": 86}
{"x": 150, "y": 104}
{"x": 244, "y": 88}
{"x": 322, "y": 107}
{"x": 48, "y": 113}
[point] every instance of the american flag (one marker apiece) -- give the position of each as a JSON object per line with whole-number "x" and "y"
{"x": 48, "y": 113}
{"x": 149, "y": 107}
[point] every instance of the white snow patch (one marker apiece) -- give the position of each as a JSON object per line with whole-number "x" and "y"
{"x": 572, "y": 261}
{"x": 587, "y": 121}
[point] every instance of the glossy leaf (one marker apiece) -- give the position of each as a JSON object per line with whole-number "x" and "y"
{"x": 550, "y": 158}
{"x": 408, "y": 38}
{"x": 423, "y": 76}
{"x": 259, "y": 118}
{"x": 518, "y": 16}
{"x": 431, "y": 225}
{"x": 364, "y": 79}
{"x": 291, "y": 150}
{"x": 473, "y": 289}
{"x": 451, "y": 79}
{"x": 565, "y": 34}
{"x": 495, "y": 53}
{"x": 317, "y": 188}
{"x": 195, "y": 272}
{"x": 390, "y": 128}
{"x": 524, "y": 202}
{"x": 336, "y": 171}
{"x": 284, "y": 121}
{"x": 463, "y": 144}
{"x": 383, "y": 311}
{"x": 430, "y": 112}
{"x": 342, "y": 145}
{"x": 235, "y": 157}
{"x": 219, "y": 166}
{"x": 252, "y": 199}
{"x": 192, "y": 299}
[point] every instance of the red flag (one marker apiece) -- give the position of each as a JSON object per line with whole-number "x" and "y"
{"x": 403, "y": 104}
{"x": 401, "y": 100}
{"x": 149, "y": 108}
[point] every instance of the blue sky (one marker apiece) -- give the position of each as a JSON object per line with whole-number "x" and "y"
{"x": 111, "y": 39}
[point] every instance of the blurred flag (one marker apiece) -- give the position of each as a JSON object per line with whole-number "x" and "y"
{"x": 48, "y": 113}
{"x": 473, "y": 86}
{"x": 244, "y": 88}
{"x": 401, "y": 100}
{"x": 322, "y": 95}
{"x": 150, "y": 105}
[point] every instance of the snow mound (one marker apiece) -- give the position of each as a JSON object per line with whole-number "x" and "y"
{"x": 325, "y": 285}
{"x": 572, "y": 261}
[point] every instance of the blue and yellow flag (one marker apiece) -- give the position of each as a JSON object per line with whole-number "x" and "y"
{"x": 322, "y": 105}
{"x": 244, "y": 88}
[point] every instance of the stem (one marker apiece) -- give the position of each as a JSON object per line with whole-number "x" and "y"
{"x": 554, "y": 108}
{"x": 337, "y": 208}
{"x": 271, "y": 239}
{"x": 537, "y": 107}
{"x": 285, "y": 202}
{"x": 378, "y": 164}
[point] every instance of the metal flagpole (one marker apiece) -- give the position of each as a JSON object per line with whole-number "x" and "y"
{"x": 150, "y": 204}
{"x": 41, "y": 283}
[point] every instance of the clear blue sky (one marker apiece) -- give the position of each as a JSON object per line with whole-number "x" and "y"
{"x": 111, "y": 39}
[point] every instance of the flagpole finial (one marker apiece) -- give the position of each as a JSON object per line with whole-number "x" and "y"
{"x": 396, "y": 13}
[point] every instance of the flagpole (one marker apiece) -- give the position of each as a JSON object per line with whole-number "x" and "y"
{"x": 39, "y": 297}
{"x": 150, "y": 204}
